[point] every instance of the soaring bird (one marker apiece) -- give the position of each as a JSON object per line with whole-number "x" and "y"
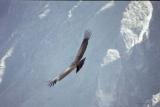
{"x": 77, "y": 63}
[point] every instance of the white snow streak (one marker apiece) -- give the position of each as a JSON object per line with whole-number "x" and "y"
{"x": 3, "y": 62}
{"x": 106, "y": 6}
{"x": 112, "y": 55}
{"x": 135, "y": 22}
{"x": 45, "y": 12}
{"x": 72, "y": 9}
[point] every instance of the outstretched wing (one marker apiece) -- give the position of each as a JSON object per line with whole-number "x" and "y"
{"x": 61, "y": 76}
{"x": 83, "y": 46}
{"x": 79, "y": 55}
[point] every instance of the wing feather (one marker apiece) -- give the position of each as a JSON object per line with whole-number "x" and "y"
{"x": 62, "y": 75}
{"x": 78, "y": 57}
{"x": 83, "y": 46}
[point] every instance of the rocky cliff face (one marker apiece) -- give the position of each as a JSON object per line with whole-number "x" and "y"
{"x": 40, "y": 39}
{"x": 140, "y": 80}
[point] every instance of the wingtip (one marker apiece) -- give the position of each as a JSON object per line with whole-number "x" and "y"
{"x": 87, "y": 34}
{"x": 52, "y": 83}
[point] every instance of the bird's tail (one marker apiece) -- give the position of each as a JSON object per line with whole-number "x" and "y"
{"x": 87, "y": 34}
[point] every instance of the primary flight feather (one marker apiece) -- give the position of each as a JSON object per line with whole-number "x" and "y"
{"x": 77, "y": 63}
